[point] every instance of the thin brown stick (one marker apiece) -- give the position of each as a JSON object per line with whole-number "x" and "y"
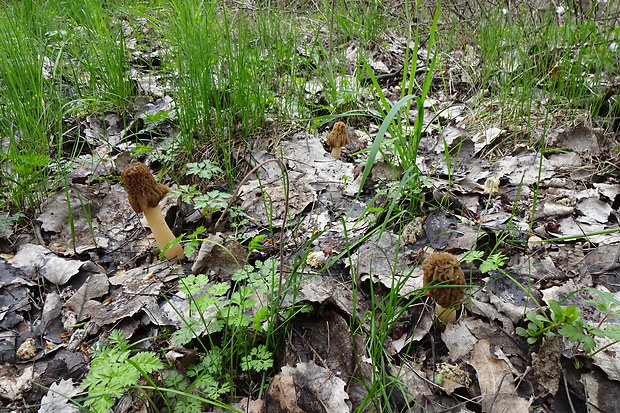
{"x": 570, "y": 401}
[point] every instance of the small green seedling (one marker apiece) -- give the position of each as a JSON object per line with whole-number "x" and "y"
{"x": 205, "y": 379}
{"x": 493, "y": 262}
{"x": 205, "y": 169}
{"x": 208, "y": 203}
{"x": 567, "y": 321}
{"x": 114, "y": 369}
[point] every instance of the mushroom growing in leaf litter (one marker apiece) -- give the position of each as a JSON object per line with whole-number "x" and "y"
{"x": 337, "y": 138}
{"x": 443, "y": 270}
{"x": 144, "y": 194}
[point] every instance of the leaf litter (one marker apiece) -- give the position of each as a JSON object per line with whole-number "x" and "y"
{"x": 104, "y": 275}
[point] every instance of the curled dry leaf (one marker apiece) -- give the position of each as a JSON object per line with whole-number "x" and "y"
{"x": 304, "y": 388}
{"x": 58, "y": 397}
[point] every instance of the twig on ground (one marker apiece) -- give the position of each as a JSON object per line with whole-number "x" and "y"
{"x": 570, "y": 402}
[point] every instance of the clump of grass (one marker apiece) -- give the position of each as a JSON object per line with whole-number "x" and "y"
{"x": 97, "y": 59}
{"x": 542, "y": 62}
{"x": 225, "y": 69}
{"x": 30, "y": 105}
{"x": 365, "y": 22}
{"x": 56, "y": 58}
{"x": 403, "y": 151}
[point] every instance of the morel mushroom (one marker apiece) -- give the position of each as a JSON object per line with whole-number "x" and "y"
{"x": 443, "y": 268}
{"x": 144, "y": 194}
{"x": 337, "y": 138}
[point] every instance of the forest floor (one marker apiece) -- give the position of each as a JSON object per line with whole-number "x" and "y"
{"x": 302, "y": 288}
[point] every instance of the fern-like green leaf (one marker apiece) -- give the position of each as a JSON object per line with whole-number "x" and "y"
{"x": 148, "y": 361}
{"x": 219, "y": 289}
{"x": 184, "y": 335}
{"x": 258, "y": 360}
{"x": 471, "y": 256}
{"x": 493, "y": 262}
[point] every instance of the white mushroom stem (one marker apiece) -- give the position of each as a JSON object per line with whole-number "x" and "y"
{"x": 162, "y": 233}
{"x": 446, "y": 315}
{"x": 336, "y": 152}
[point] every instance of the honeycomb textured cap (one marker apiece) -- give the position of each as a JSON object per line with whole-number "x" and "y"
{"x": 142, "y": 189}
{"x": 444, "y": 268}
{"x": 339, "y": 136}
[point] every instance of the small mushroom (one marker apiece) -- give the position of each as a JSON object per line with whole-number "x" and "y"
{"x": 338, "y": 138}
{"x": 144, "y": 194}
{"x": 443, "y": 268}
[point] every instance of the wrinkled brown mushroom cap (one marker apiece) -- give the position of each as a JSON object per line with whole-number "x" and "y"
{"x": 339, "y": 136}
{"x": 142, "y": 189}
{"x": 443, "y": 268}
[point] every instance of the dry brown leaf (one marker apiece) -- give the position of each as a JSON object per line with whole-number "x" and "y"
{"x": 547, "y": 367}
{"x": 496, "y": 382}
{"x": 306, "y": 388}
